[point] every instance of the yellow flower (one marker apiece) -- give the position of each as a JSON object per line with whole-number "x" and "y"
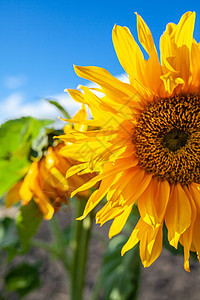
{"x": 147, "y": 147}
{"x": 45, "y": 182}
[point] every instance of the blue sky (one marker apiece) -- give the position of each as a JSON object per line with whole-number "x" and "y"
{"x": 41, "y": 40}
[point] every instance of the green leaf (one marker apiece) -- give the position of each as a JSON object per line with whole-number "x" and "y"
{"x": 120, "y": 274}
{"x": 15, "y": 134}
{"x": 8, "y": 238}
{"x": 22, "y": 279}
{"x": 28, "y": 222}
{"x": 16, "y": 137}
{"x": 7, "y": 232}
{"x": 60, "y": 107}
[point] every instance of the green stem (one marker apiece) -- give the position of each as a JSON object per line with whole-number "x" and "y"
{"x": 82, "y": 232}
{"x": 83, "y": 250}
{"x": 58, "y": 242}
{"x": 74, "y": 243}
{"x": 135, "y": 271}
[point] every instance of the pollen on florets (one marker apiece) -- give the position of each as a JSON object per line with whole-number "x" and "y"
{"x": 167, "y": 139}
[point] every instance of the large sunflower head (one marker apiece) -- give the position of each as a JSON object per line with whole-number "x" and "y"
{"x": 147, "y": 147}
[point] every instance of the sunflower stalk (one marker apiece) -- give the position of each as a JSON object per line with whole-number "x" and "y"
{"x": 82, "y": 233}
{"x": 58, "y": 242}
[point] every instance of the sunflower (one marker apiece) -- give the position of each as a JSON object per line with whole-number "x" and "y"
{"x": 146, "y": 148}
{"x": 45, "y": 182}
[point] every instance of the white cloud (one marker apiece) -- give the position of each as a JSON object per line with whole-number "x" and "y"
{"x": 15, "y": 106}
{"x": 11, "y": 103}
{"x": 14, "y": 82}
{"x": 124, "y": 78}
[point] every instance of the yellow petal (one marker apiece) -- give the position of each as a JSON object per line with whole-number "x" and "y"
{"x": 110, "y": 169}
{"x": 151, "y": 245}
{"x": 80, "y": 116}
{"x": 45, "y": 207}
{"x": 184, "y": 30}
{"x": 144, "y": 35}
{"x": 128, "y": 181}
{"x": 139, "y": 189}
{"x": 119, "y": 222}
{"x": 134, "y": 237}
{"x": 13, "y": 195}
{"x": 75, "y": 170}
{"x": 146, "y": 206}
{"x": 195, "y": 193}
{"x": 150, "y": 242}
{"x": 59, "y": 176}
{"x": 187, "y": 236}
{"x": 129, "y": 53}
{"x": 178, "y": 214}
{"x": 162, "y": 192}
{"x": 27, "y": 187}
{"x": 100, "y": 108}
{"x": 76, "y": 95}
{"x": 195, "y": 65}
{"x": 176, "y": 44}
{"x": 166, "y": 49}
{"x": 112, "y": 86}
{"x": 97, "y": 196}
{"x": 107, "y": 213}
{"x": 195, "y": 234}
{"x": 171, "y": 82}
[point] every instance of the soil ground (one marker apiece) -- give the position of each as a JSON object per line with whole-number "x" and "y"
{"x": 165, "y": 279}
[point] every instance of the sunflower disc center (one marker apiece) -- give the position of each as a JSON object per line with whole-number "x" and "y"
{"x": 167, "y": 139}
{"x": 175, "y": 139}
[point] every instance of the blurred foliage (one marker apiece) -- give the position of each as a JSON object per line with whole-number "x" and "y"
{"x": 46, "y": 138}
{"x": 22, "y": 279}
{"x": 28, "y": 222}
{"x": 16, "y": 234}
{"x": 9, "y": 241}
{"x": 22, "y": 141}
{"x": 16, "y": 138}
{"x": 120, "y": 274}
